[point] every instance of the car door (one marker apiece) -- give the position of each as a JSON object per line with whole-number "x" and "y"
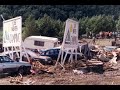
{"x": 1, "y": 68}
{"x": 56, "y": 52}
{"x": 50, "y": 53}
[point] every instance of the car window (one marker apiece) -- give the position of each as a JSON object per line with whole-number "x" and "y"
{"x": 5, "y": 59}
{"x": 56, "y": 51}
{"x": 42, "y": 53}
{"x": 47, "y": 53}
{"x": 51, "y": 52}
{"x": 1, "y": 59}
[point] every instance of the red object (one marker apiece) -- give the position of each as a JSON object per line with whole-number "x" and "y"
{"x": 32, "y": 71}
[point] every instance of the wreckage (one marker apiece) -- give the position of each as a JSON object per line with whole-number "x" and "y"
{"x": 100, "y": 60}
{"x": 94, "y": 56}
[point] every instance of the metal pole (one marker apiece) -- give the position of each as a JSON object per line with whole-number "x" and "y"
{"x": 2, "y": 17}
{"x": 12, "y": 52}
{"x": 58, "y": 57}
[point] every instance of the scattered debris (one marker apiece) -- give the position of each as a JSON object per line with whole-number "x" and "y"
{"x": 103, "y": 60}
{"x": 80, "y": 70}
{"x": 19, "y": 80}
{"x": 51, "y": 69}
{"x": 113, "y": 60}
{"x": 103, "y": 57}
{"x": 28, "y": 82}
{"x": 94, "y": 62}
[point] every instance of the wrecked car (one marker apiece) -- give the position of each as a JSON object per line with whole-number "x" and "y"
{"x": 10, "y": 67}
{"x": 45, "y": 60}
{"x": 54, "y": 52}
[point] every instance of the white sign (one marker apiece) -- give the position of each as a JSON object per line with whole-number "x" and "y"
{"x": 70, "y": 39}
{"x": 12, "y": 32}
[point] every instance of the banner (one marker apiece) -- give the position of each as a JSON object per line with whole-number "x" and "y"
{"x": 12, "y": 29}
{"x": 70, "y": 39}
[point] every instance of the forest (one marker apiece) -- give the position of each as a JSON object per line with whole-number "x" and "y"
{"x": 49, "y": 20}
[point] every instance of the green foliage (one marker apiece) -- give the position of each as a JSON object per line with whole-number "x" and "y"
{"x": 83, "y": 25}
{"x": 30, "y": 27}
{"x": 49, "y": 20}
{"x": 96, "y": 24}
{"x": 61, "y": 12}
{"x": 118, "y": 24}
{"x": 49, "y": 27}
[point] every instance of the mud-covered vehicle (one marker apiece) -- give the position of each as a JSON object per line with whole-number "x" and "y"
{"x": 9, "y": 66}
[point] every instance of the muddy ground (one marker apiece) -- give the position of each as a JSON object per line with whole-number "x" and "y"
{"x": 67, "y": 77}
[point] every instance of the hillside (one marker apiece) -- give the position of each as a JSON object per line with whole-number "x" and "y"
{"x": 47, "y": 18}
{"x": 61, "y": 12}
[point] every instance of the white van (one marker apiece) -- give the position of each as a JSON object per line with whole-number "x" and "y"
{"x": 40, "y": 42}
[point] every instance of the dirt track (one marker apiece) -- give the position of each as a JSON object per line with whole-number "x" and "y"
{"x": 69, "y": 78}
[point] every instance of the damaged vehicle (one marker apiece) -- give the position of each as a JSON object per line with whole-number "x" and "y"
{"x": 54, "y": 52}
{"x": 10, "y": 67}
{"x": 45, "y": 60}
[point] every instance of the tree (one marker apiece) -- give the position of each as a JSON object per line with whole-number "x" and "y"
{"x": 82, "y": 25}
{"x": 99, "y": 23}
{"x": 30, "y": 27}
{"x": 49, "y": 27}
{"x": 118, "y": 24}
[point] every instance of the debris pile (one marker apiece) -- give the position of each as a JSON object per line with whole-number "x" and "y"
{"x": 101, "y": 60}
{"x": 38, "y": 68}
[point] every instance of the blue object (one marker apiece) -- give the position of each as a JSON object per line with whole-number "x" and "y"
{"x": 109, "y": 48}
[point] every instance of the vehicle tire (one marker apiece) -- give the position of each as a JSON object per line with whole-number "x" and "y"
{"x": 21, "y": 71}
{"x": 27, "y": 71}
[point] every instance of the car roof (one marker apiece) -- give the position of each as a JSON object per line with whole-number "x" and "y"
{"x": 52, "y": 48}
{"x": 43, "y": 38}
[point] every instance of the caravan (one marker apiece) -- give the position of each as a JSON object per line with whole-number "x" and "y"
{"x": 40, "y": 42}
